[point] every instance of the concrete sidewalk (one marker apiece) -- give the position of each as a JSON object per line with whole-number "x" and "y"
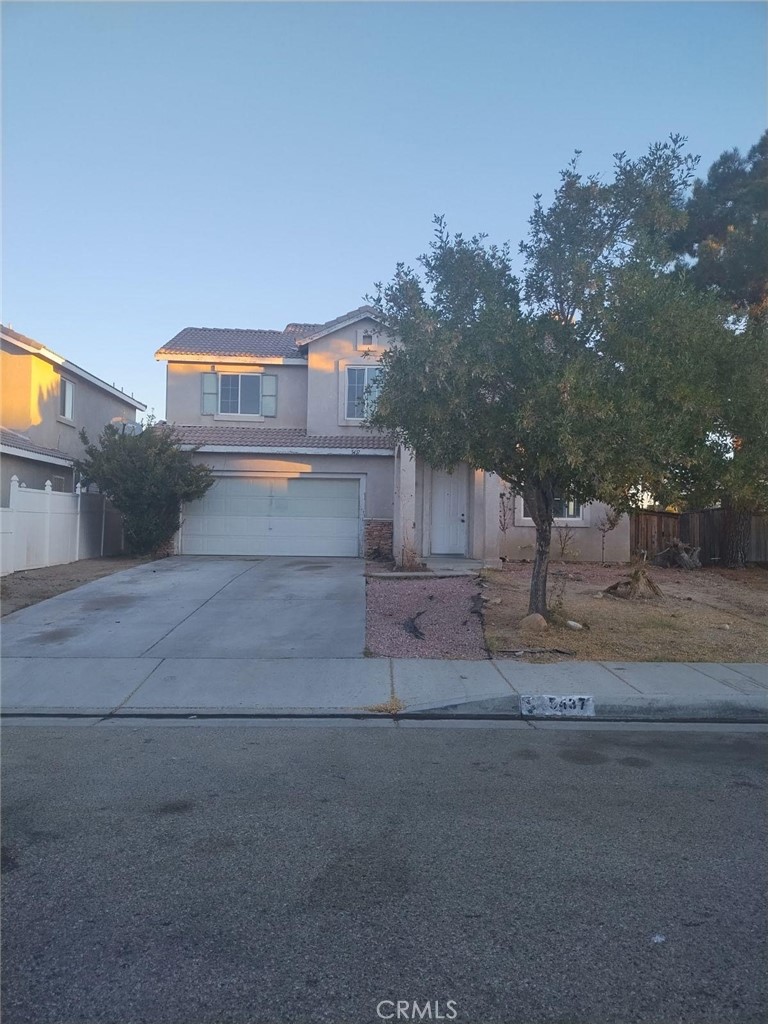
{"x": 312, "y": 687}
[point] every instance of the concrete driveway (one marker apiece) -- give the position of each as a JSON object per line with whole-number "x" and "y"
{"x": 198, "y": 607}
{"x": 197, "y": 634}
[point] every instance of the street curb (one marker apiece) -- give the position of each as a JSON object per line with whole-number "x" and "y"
{"x": 750, "y": 709}
{"x": 504, "y": 708}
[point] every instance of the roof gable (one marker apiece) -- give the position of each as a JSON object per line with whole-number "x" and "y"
{"x": 354, "y": 315}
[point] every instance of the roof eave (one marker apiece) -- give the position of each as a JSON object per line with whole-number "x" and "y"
{"x": 213, "y": 357}
{"x": 246, "y": 449}
{"x": 78, "y": 371}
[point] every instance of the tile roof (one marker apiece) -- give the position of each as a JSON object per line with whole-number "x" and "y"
{"x": 226, "y": 341}
{"x": 223, "y": 341}
{"x": 12, "y": 439}
{"x": 302, "y": 330}
{"x": 277, "y": 437}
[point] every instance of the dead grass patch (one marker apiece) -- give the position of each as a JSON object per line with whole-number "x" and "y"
{"x": 712, "y": 615}
{"x": 389, "y": 707}
{"x": 29, "y": 586}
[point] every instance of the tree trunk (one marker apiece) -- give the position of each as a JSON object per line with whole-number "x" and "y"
{"x": 539, "y": 498}
{"x": 734, "y": 542}
{"x": 538, "y": 597}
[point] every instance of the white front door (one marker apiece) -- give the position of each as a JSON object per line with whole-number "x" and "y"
{"x": 449, "y": 512}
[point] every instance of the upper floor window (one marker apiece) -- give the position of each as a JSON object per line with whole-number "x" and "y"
{"x": 66, "y": 398}
{"x": 361, "y": 390}
{"x": 240, "y": 394}
{"x": 562, "y": 508}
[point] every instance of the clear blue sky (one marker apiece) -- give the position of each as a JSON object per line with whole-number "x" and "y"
{"x": 244, "y": 165}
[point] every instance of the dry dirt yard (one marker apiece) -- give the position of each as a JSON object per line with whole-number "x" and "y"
{"x": 704, "y": 615}
{"x": 21, "y": 589}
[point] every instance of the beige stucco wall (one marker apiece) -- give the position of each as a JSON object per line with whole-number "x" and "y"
{"x": 326, "y": 376}
{"x": 584, "y": 544}
{"x": 30, "y": 402}
{"x": 33, "y": 474}
{"x": 184, "y": 394}
{"x": 377, "y": 470}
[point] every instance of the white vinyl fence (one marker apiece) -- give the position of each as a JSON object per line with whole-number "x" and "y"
{"x": 41, "y": 528}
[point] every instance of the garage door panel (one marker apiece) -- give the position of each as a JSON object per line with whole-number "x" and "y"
{"x": 280, "y": 516}
{"x": 311, "y": 508}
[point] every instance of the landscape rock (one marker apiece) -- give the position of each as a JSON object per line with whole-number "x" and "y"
{"x": 573, "y": 625}
{"x": 534, "y": 622}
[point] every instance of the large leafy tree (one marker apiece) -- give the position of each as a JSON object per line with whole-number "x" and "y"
{"x": 146, "y": 476}
{"x": 590, "y": 379}
{"x": 724, "y": 243}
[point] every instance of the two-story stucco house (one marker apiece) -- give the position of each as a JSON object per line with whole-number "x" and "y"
{"x": 279, "y": 416}
{"x": 46, "y": 401}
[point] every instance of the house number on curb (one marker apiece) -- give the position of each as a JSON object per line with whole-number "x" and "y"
{"x": 548, "y": 706}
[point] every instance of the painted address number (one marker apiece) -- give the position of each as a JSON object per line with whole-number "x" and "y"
{"x": 550, "y": 706}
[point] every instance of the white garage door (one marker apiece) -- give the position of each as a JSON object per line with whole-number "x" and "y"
{"x": 274, "y": 516}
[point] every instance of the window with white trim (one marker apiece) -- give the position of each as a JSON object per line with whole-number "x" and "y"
{"x": 361, "y": 391}
{"x": 562, "y": 508}
{"x": 66, "y": 398}
{"x": 239, "y": 394}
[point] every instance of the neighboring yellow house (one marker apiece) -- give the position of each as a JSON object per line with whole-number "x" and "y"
{"x": 45, "y": 402}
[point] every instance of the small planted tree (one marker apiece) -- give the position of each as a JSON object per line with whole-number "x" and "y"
{"x": 608, "y": 522}
{"x": 506, "y": 510}
{"x": 146, "y": 476}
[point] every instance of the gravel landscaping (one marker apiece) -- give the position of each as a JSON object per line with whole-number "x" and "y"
{"x": 444, "y": 611}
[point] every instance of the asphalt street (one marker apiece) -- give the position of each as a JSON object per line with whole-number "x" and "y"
{"x": 175, "y": 873}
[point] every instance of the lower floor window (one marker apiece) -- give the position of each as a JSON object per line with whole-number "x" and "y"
{"x": 562, "y": 508}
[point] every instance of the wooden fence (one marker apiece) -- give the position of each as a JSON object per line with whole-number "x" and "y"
{"x": 653, "y": 531}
